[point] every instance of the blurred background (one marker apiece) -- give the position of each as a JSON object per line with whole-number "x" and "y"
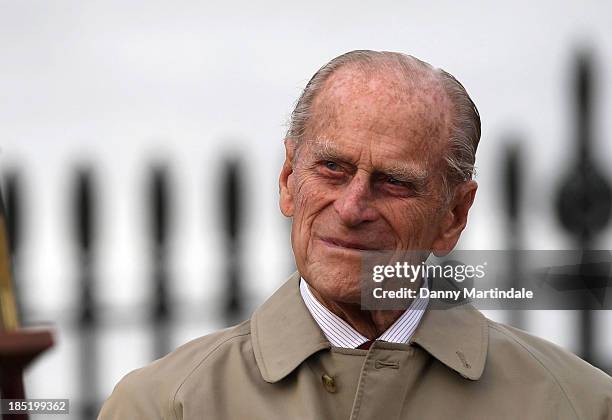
{"x": 141, "y": 143}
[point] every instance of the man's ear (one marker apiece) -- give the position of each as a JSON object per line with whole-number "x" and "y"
{"x": 285, "y": 180}
{"x": 455, "y": 219}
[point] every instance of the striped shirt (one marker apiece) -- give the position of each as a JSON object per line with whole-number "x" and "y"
{"x": 341, "y": 334}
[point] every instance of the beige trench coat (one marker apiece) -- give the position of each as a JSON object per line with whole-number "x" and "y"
{"x": 278, "y": 365}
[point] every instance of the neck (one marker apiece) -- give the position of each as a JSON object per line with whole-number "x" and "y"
{"x": 369, "y": 323}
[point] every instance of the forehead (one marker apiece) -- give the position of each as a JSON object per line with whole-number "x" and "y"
{"x": 383, "y": 110}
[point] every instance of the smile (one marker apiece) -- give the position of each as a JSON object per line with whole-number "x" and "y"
{"x": 344, "y": 244}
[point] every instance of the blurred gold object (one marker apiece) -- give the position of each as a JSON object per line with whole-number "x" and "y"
{"x": 9, "y": 320}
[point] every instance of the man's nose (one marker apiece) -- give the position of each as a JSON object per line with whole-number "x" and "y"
{"x": 354, "y": 205}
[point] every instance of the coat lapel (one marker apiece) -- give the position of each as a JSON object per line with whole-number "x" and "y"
{"x": 284, "y": 333}
{"x": 456, "y": 336}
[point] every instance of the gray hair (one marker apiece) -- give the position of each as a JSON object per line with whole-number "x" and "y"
{"x": 465, "y": 120}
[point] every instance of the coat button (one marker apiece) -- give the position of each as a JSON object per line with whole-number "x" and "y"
{"x": 329, "y": 383}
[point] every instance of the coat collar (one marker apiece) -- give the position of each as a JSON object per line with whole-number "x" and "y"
{"x": 284, "y": 334}
{"x": 457, "y": 336}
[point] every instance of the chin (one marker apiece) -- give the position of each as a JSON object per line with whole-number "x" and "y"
{"x": 335, "y": 282}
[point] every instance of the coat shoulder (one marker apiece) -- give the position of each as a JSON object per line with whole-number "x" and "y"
{"x": 149, "y": 392}
{"x": 586, "y": 388}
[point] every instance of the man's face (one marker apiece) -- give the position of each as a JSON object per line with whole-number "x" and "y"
{"x": 367, "y": 176}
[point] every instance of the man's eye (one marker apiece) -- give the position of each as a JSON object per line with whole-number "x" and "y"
{"x": 396, "y": 182}
{"x": 332, "y": 166}
{"x": 398, "y": 186}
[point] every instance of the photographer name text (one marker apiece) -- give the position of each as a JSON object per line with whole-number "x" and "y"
{"x": 456, "y": 295}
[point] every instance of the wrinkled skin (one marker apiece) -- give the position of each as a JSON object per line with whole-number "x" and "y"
{"x": 367, "y": 175}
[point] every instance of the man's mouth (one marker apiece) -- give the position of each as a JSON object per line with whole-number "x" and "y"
{"x": 347, "y": 244}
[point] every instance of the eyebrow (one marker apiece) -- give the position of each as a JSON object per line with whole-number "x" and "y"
{"x": 408, "y": 173}
{"x": 324, "y": 149}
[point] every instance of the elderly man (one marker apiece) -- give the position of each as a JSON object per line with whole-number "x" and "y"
{"x": 379, "y": 157}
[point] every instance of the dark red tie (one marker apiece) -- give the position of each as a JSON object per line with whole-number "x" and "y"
{"x": 366, "y": 345}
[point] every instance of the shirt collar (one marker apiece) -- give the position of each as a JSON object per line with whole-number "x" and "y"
{"x": 341, "y": 334}
{"x": 284, "y": 334}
